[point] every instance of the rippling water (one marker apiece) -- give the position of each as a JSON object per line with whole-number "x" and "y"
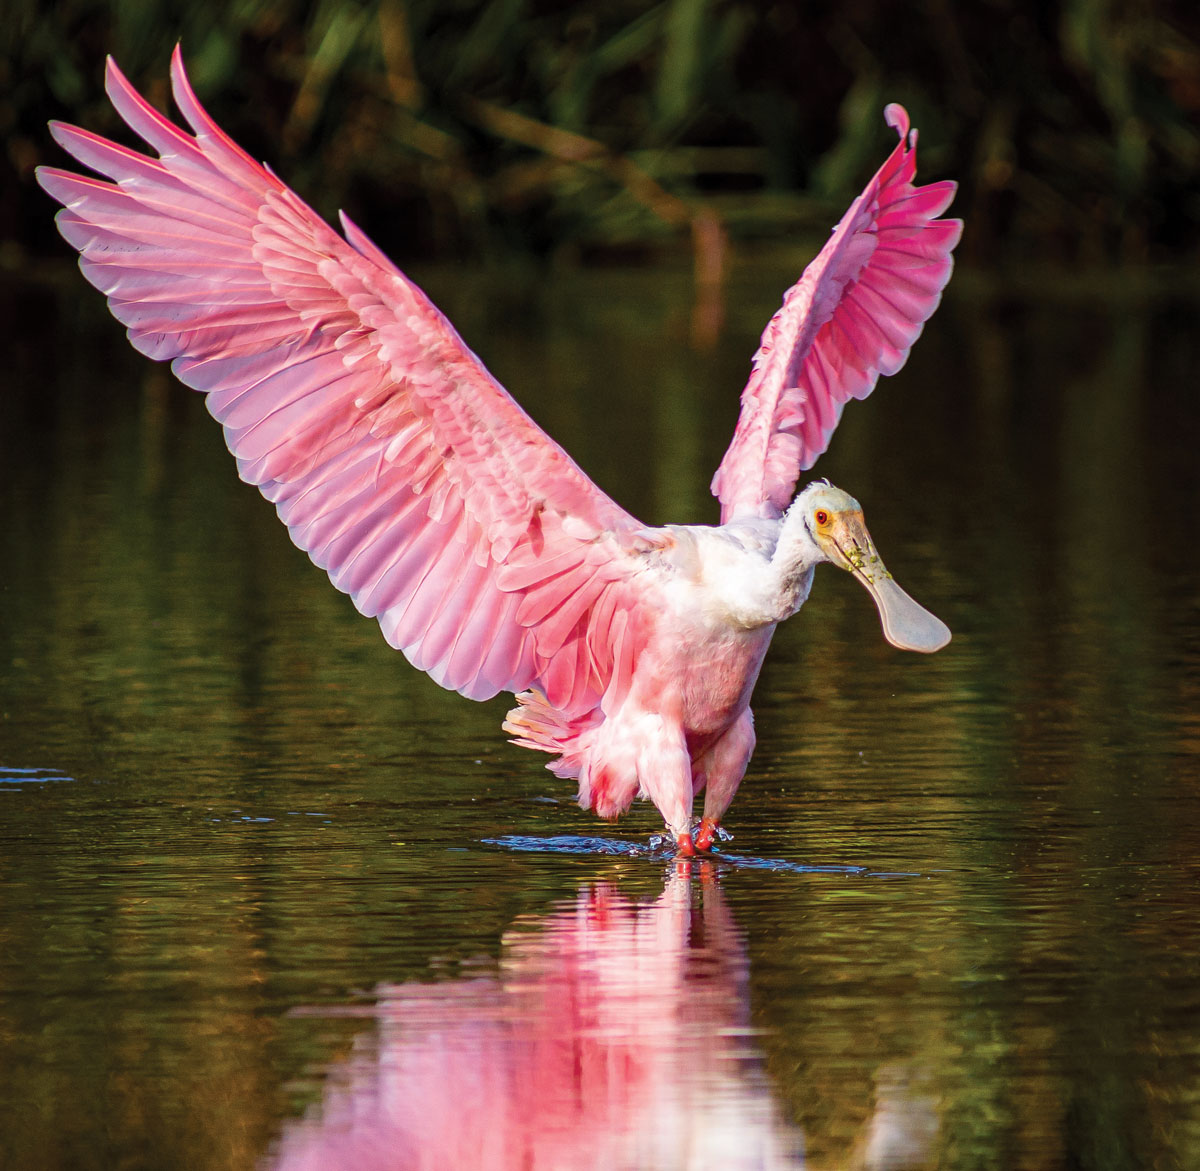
{"x": 268, "y": 898}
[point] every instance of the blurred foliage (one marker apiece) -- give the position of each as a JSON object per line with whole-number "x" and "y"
{"x": 470, "y": 127}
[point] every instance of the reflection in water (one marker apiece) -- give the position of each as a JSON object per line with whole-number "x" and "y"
{"x": 163, "y": 643}
{"x": 615, "y": 1035}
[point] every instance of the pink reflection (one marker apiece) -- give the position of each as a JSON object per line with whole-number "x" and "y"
{"x": 614, "y": 1036}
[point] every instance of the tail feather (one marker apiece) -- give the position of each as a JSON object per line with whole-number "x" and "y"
{"x": 534, "y": 723}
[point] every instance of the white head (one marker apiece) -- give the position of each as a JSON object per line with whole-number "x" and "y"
{"x": 826, "y": 524}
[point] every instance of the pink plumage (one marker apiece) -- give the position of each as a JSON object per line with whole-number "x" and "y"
{"x": 852, "y": 316}
{"x": 430, "y": 497}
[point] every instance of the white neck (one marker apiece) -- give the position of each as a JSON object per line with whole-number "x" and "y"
{"x": 796, "y": 556}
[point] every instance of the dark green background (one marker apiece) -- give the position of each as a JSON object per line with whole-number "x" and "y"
{"x": 1073, "y": 127}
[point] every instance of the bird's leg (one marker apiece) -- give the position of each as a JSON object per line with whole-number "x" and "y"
{"x": 649, "y": 750}
{"x": 724, "y": 764}
{"x": 665, "y": 772}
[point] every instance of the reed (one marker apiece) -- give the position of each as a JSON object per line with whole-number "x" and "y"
{"x": 456, "y": 128}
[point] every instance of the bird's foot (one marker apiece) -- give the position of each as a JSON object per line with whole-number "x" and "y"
{"x": 707, "y": 834}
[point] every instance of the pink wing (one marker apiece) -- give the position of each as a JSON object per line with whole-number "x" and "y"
{"x": 396, "y": 461}
{"x": 852, "y": 316}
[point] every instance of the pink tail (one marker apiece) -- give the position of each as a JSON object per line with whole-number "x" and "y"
{"x": 534, "y": 723}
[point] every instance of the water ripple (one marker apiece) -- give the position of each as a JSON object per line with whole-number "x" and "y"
{"x": 30, "y": 776}
{"x": 658, "y": 850}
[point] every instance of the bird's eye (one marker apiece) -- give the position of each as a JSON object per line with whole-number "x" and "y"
{"x": 821, "y": 516}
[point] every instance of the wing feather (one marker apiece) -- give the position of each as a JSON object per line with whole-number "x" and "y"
{"x": 395, "y": 459}
{"x": 853, "y": 315}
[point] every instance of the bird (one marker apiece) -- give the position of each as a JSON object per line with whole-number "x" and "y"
{"x": 410, "y": 475}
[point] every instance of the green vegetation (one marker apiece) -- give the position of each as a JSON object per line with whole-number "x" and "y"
{"x": 476, "y": 127}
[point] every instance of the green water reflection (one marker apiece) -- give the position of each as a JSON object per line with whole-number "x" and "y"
{"x": 271, "y": 819}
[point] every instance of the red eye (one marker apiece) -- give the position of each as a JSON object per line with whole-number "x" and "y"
{"x": 821, "y": 516}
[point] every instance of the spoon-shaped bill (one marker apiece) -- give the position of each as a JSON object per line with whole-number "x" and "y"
{"x": 842, "y": 534}
{"x": 906, "y": 624}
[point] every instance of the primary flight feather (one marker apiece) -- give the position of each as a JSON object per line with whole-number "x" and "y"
{"x": 430, "y": 497}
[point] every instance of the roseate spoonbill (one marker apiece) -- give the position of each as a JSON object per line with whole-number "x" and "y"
{"x": 430, "y": 497}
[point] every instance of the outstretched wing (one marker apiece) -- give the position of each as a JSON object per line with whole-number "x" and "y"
{"x": 852, "y": 316}
{"x": 396, "y": 461}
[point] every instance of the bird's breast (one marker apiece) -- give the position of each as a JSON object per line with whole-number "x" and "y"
{"x": 704, "y": 678}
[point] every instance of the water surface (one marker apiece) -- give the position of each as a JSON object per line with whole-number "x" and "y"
{"x": 268, "y": 897}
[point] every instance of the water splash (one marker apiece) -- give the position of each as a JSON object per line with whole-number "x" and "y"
{"x": 660, "y": 847}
